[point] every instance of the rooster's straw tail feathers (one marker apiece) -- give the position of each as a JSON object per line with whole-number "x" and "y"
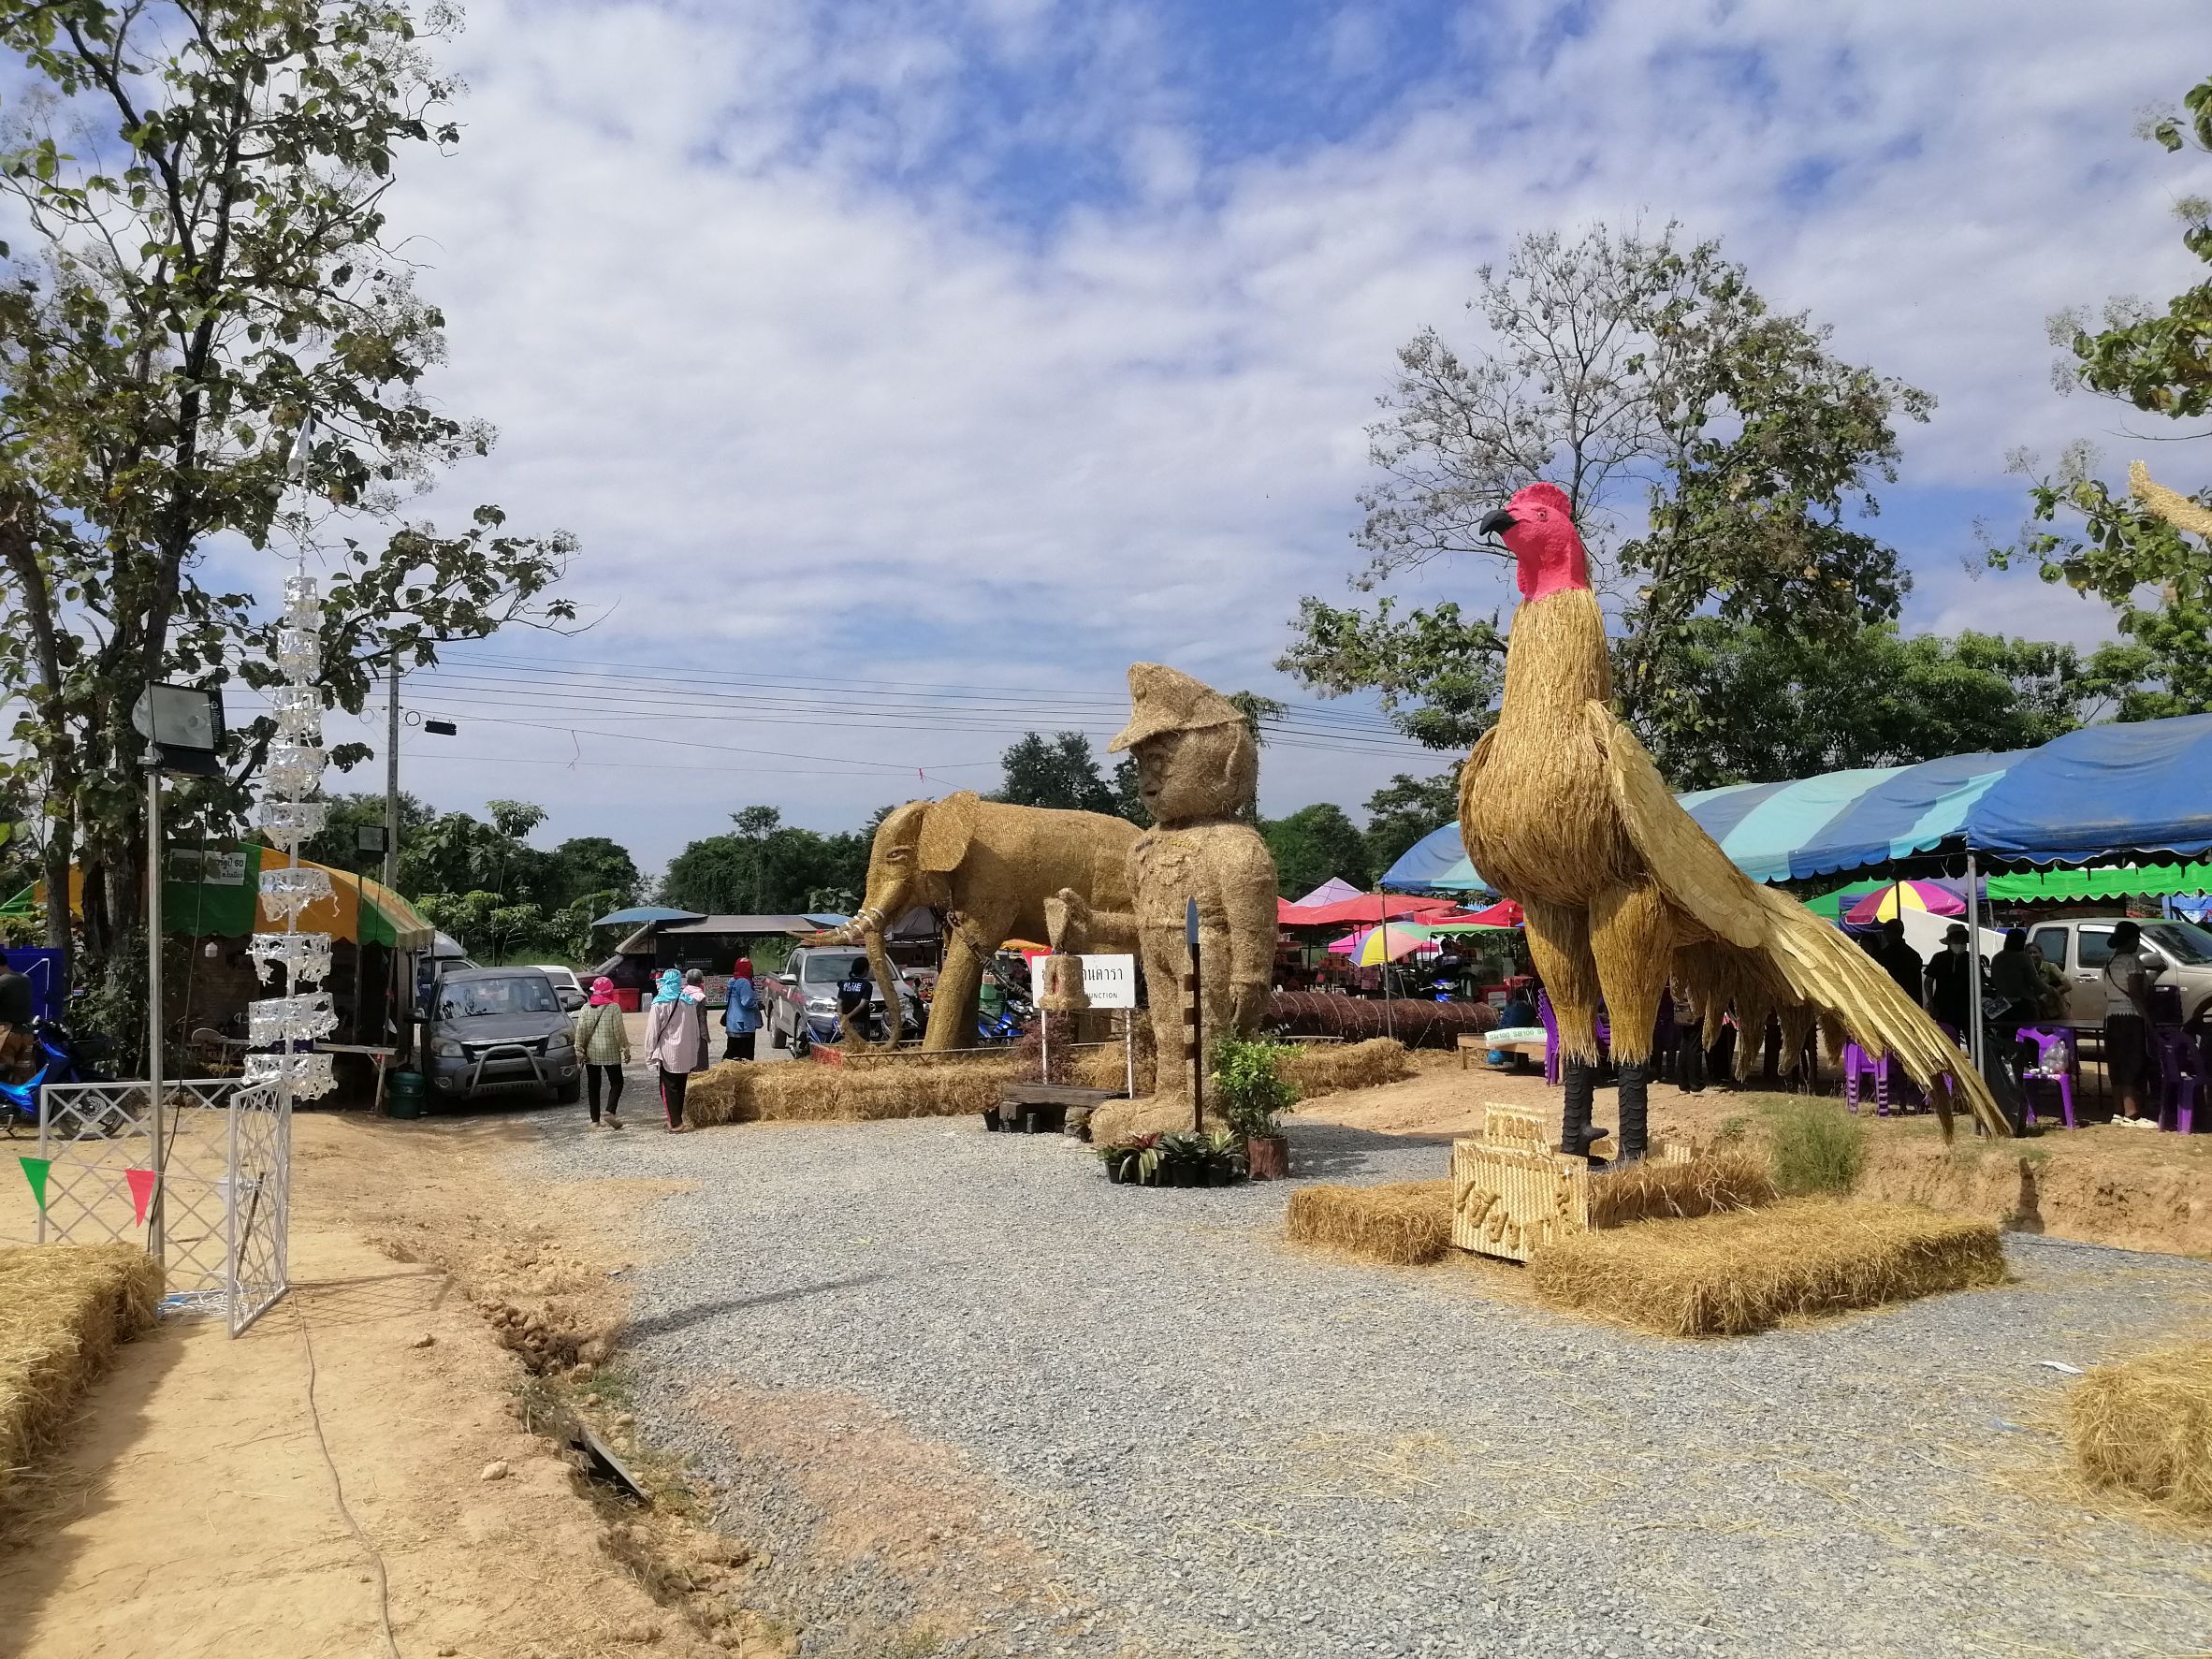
{"x": 1828, "y": 970}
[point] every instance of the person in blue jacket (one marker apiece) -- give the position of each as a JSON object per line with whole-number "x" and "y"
{"x": 741, "y": 1016}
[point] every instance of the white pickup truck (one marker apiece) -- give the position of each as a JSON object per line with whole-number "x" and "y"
{"x": 2081, "y": 946}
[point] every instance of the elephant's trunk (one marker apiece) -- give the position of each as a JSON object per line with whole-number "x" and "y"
{"x": 894, "y": 1012}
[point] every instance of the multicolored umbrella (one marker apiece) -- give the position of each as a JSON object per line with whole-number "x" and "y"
{"x": 1365, "y": 947}
{"x": 1884, "y": 903}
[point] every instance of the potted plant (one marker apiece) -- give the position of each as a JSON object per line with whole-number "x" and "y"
{"x": 1251, "y": 1093}
{"x": 1133, "y": 1162}
{"x": 1183, "y": 1161}
{"x": 1224, "y": 1158}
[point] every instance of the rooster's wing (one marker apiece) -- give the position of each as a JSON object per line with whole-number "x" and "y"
{"x": 1819, "y": 964}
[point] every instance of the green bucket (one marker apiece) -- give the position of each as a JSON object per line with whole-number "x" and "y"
{"x": 403, "y": 1094}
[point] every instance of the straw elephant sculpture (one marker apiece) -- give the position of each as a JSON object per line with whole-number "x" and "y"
{"x": 990, "y": 867}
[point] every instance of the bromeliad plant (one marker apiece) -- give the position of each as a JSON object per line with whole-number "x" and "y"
{"x": 1174, "y": 1161}
{"x": 1248, "y": 1086}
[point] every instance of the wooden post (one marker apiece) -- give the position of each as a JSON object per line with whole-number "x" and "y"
{"x": 1195, "y": 1017}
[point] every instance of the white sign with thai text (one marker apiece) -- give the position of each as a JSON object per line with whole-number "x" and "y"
{"x": 1110, "y": 982}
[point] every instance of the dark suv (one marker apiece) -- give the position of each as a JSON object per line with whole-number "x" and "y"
{"x": 499, "y": 1031}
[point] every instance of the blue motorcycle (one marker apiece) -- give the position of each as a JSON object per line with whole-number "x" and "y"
{"x": 62, "y": 1058}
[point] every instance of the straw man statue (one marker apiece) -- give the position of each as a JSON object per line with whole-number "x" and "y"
{"x": 1198, "y": 770}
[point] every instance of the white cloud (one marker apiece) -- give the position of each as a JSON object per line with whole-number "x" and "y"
{"x": 806, "y": 341}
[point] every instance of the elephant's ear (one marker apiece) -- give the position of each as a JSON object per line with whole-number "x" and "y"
{"x": 947, "y": 828}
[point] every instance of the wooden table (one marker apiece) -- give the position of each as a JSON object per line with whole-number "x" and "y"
{"x": 380, "y": 1054}
{"x": 1479, "y": 1043}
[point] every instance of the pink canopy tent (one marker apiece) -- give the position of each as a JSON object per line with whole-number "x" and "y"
{"x": 1369, "y": 907}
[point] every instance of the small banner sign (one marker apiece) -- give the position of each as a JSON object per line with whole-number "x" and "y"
{"x": 35, "y": 1171}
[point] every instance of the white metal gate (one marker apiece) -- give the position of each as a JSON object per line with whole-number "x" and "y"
{"x": 219, "y": 1220}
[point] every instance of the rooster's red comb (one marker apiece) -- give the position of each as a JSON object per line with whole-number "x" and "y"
{"x": 1544, "y": 494}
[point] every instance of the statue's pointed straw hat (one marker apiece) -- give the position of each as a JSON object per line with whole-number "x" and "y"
{"x": 1166, "y": 699}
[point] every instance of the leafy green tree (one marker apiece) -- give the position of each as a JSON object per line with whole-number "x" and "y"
{"x": 1313, "y": 844}
{"x": 1403, "y": 810}
{"x": 592, "y": 867}
{"x": 1715, "y": 454}
{"x": 201, "y": 183}
{"x": 2096, "y": 537}
{"x": 1057, "y": 771}
{"x": 777, "y": 869}
{"x": 339, "y": 842}
{"x": 1870, "y": 699}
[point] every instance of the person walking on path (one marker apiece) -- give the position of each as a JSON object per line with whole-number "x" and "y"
{"x": 603, "y": 1041}
{"x": 741, "y": 1015}
{"x": 675, "y": 1039}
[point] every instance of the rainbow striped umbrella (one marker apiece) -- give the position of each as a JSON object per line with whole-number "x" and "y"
{"x": 1884, "y": 902}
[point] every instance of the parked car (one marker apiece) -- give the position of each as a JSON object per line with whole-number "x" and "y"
{"x": 499, "y": 1031}
{"x": 565, "y": 985}
{"x": 2082, "y": 946}
{"x": 802, "y": 1000}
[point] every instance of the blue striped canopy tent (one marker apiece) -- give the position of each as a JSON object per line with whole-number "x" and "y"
{"x": 2091, "y": 796}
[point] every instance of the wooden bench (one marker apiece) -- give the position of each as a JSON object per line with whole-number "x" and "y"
{"x": 1045, "y": 1108}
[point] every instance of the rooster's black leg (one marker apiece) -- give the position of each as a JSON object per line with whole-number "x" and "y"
{"x": 1635, "y": 1125}
{"x": 1579, "y": 1079}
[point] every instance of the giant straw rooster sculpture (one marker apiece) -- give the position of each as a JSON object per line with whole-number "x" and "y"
{"x": 1563, "y": 810}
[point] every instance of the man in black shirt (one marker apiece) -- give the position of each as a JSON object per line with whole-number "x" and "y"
{"x": 1902, "y": 961}
{"x": 1948, "y": 992}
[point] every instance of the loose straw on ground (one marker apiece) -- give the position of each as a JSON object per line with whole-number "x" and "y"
{"x": 2144, "y": 1426}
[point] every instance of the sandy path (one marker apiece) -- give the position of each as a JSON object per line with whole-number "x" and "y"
{"x": 197, "y": 1509}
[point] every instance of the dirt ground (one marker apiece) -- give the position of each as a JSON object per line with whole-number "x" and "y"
{"x": 2100, "y": 1185}
{"x": 291, "y": 1491}
{"x": 318, "y": 1487}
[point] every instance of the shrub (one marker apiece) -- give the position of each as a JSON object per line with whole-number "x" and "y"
{"x": 1816, "y": 1148}
{"x": 1249, "y": 1087}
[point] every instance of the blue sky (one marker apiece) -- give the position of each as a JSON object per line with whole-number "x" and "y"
{"x": 997, "y": 343}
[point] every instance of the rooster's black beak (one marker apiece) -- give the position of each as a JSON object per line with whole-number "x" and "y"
{"x": 1497, "y": 523}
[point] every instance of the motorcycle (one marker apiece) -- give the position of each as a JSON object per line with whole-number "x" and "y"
{"x": 1010, "y": 1024}
{"x": 62, "y": 1058}
{"x": 875, "y": 1026}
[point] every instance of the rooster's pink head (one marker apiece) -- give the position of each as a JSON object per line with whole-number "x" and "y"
{"x": 1534, "y": 525}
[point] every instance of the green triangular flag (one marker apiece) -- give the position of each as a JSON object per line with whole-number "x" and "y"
{"x": 35, "y": 1173}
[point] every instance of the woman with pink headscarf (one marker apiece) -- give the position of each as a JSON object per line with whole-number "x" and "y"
{"x": 603, "y": 1041}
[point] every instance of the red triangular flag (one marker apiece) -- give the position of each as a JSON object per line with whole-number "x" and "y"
{"x": 142, "y": 1183}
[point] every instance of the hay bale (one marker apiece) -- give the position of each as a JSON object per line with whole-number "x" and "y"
{"x": 862, "y": 1089}
{"x": 62, "y": 1309}
{"x": 1400, "y": 1223}
{"x": 2144, "y": 1426}
{"x": 1351, "y": 1065}
{"x": 1651, "y": 1190}
{"x": 1727, "y": 1274}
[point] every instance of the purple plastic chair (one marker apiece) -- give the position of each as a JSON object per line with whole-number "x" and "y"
{"x": 1551, "y": 1023}
{"x": 2179, "y": 1070}
{"x": 1858, "y": 1063}
{"x": 2054, "y": 1063}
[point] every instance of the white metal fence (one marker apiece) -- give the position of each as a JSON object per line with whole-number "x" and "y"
{"x": 220, "y": 1217}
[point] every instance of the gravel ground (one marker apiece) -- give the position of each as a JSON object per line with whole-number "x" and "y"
{"x": 1222, "y": 1446}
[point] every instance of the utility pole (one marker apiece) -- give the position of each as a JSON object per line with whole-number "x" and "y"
{"x": 391, "y": 777}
